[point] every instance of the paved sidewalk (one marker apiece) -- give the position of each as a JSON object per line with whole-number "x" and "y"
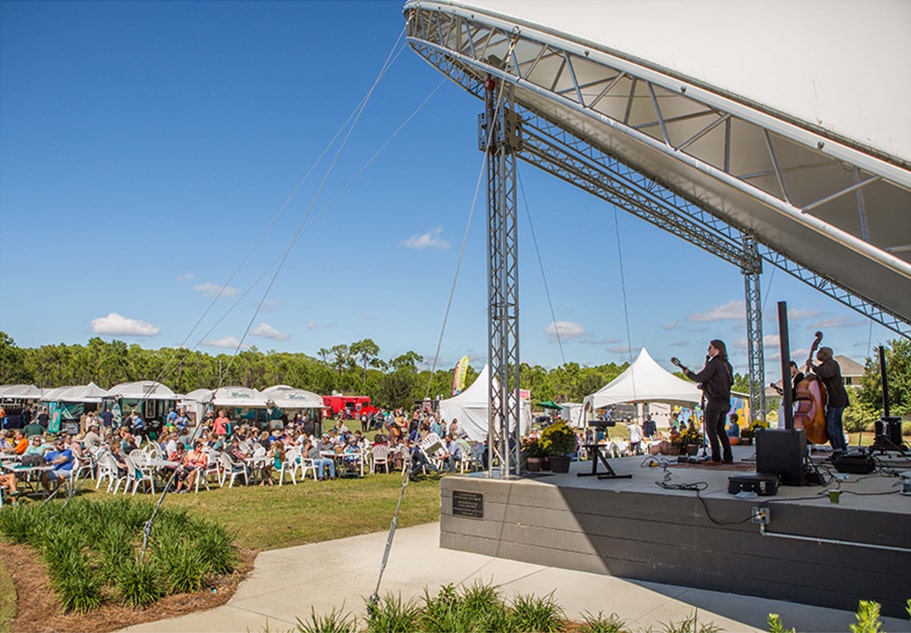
{"x": 285, "y": 584}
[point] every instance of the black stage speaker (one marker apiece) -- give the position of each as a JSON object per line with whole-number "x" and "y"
{"x": 781, "y": 452}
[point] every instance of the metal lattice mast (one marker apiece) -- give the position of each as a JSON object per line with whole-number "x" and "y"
{"x": 499, "y": 136}
{"x": 752, "y": 269}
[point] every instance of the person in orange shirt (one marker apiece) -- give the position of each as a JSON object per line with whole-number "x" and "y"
{"x": 20, "y": 442}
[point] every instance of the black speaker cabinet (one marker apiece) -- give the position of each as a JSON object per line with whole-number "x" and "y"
{"x": 781, "y": 452}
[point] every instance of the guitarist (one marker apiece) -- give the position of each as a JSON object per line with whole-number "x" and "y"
{"x": 716, "y": 379}
{"x": 829, "y": 372}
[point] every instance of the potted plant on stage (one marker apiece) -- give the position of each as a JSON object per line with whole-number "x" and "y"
{"x": 687, "y": 441}
{"x": 533, "y": 452}
{"x": 747, "y": 434}
{"x": 559, "y": 444}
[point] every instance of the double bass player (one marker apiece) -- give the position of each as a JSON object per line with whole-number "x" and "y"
{"x": 716, "y": 379}
{"x": 829, "y": 372}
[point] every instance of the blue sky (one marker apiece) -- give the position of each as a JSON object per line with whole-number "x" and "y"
{"x": 152, "y": 153}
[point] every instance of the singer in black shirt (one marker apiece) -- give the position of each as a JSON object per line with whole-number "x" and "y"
{"x": 716, "y": 379}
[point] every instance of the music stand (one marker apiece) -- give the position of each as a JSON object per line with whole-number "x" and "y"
{"x": 599, "y": 456}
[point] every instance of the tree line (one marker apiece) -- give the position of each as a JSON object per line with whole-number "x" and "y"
{"x": 355, "y": 369}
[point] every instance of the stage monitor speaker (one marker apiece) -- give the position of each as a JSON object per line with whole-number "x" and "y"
{"x": 781, "y": 452}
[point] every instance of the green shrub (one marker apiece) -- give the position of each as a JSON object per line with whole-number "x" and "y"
{"x": 691, "y": 625}
{"x": 598, "y": 623}
{"x": 139, "y": 584}
{"x": 533, "y": 614}
{"x": 336, "y": 621}
{"x": 391, "y": 615}
{"x": 867, "y": 618}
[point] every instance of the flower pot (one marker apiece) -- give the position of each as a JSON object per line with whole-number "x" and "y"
{"x": 534, "y": 464}
{"x": 692, "y": 449}
{"x": 545, "y": 464}
{"x": 559, "y": 463}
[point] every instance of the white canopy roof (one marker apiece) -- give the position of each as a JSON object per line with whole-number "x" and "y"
{"x": 287, "y": 397}
{"x": 142, "y": 390}
{"x": 238, "y": 397}
{"x": 644, "y": 381}
{"x": 81, "y": 393}
{"x": 471, "y": 409}
{"x": 200, "y": 395}
{"x": 20, "y": 392}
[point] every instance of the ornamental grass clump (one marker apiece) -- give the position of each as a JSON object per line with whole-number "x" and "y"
{"x": 93, "y": 550}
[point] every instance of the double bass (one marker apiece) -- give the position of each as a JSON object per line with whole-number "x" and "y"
{"x": 810, "y": 413}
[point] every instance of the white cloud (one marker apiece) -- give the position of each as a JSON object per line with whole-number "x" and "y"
{"x": 670, "y": 326}
{"x": 229, "y": 342}
{"x": 430, "y": 239}
{"x": 310, "y": 325}
{"x": 622, "y": 349}
{"x": 209, "y": 289}
{"x": 566, "y": 330}
{"x": 731, "y": 310}
{"x": 769, "y": 341}
{"x": 267, "y": 331}
{"x": 118, "y": 324}
{"x": 834, "y": 323}
{"x": 795, "y": 314}
{"x": 270, "y": 306}
{"x": 186, "y": 277}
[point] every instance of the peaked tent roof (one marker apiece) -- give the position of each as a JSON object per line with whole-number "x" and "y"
{"x": 144, "y": 390}
{"x": 471, "y": 407}
{"x": 243, "y": 397}
{"x": 21, "y": 392}
{"x": 645, "y": 381}
{"x": 79, "y": 393}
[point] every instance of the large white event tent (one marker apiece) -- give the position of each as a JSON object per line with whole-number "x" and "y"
{"x": 471, "y": 409}
{"x": 644, "y": 381}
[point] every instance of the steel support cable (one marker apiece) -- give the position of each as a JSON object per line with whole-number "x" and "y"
{"x": 323, "y": 210}
{"x": 629, "y": 342}
{"x": 534, "y": 239}
{"x": 296, "y": 236}
{"x": 169, "y": 369}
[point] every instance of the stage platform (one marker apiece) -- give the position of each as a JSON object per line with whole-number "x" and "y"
{"x": 811, "y": 550}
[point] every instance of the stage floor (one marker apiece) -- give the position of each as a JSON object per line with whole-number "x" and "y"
{"x": 680, "y": 525}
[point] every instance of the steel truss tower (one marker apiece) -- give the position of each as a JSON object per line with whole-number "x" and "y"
{"x": 499, "y": 137}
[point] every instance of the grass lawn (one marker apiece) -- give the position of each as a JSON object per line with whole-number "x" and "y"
{"x": 272, "y": 517}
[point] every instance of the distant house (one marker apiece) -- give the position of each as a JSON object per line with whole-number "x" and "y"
{"x": 851, "y": 371}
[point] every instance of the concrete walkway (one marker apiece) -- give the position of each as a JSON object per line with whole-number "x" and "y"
{"x": 285, "y": 584}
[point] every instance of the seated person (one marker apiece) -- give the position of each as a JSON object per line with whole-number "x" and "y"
{"x": 312, "y": 451}
{"x": 192, "y": 463}
{"x": 9, "y": 481}
{"x": 61, "y": 458}
{"x": 733, "y": 428}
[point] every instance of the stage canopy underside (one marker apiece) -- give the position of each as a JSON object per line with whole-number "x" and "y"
{"x": 796, "y": 135}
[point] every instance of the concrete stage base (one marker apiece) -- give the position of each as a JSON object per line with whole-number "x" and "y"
{"x": 813, "y": 552}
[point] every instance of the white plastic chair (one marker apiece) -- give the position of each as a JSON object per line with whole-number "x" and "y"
{"x": 289, "y": 465}
{"x": 137, "y": 474}
{"x": 232, "y": 469}
{"x": 380, "y": 454}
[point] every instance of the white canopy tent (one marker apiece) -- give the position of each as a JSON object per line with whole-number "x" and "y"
{"x": 573, "y": 413}
{"x": 239, "y": 397}
{"x": 80, "y": 393}
{"x": 644, "y": 381}
{"x": 287, "y": 397}
{"x": 142, "y": 390}
{"x": 21, "y": 392}
{"x": 471, "y": 409}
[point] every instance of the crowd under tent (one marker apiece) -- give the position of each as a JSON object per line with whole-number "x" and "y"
{"x": 150, "y": 398}
{"x": 195, "y": 403}
{"x": 66, "y": 405}
{"x": 242, "y": 403}
{"x": 472, "y": 409}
